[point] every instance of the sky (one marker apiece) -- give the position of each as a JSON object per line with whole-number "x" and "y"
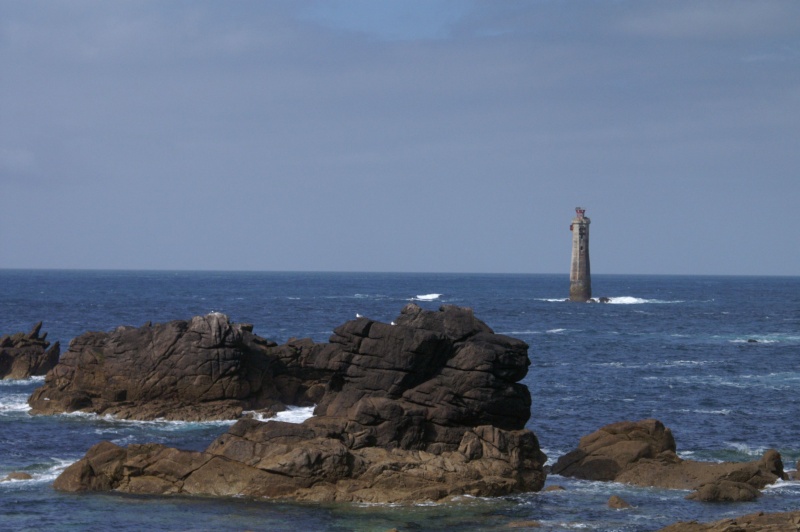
{"x": 400, "y": 136}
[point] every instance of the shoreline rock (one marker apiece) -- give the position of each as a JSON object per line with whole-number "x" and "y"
{"x": 423, "y": 410}
{"x": 23, "y": 356}
{"x": 643, "y": 453}
{"x": 759, "y": 521}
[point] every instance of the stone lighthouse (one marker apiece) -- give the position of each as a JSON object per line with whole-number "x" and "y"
{"x": 580, "y": 279}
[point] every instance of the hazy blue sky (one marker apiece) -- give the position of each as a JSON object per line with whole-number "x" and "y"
{"x": 453, "y": 136}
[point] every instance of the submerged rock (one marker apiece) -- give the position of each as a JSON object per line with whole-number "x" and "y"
{"x": 423, "y": 410}
{"x": 16, "y": 475}
{"x": 27, "y": 355}
{"x": 618, "y": 503}
{"x": 642, "y": 453}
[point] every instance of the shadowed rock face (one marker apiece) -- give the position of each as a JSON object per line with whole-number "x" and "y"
{"x": 643, "y": 453}
{"x": 425, "y": 409}
{"x": 26, "y": 355}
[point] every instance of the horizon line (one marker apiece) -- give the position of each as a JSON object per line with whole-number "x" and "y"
{"x": 383, "y": 272}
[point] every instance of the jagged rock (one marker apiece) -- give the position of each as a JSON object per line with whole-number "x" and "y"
{"x": 426, "y": 409}
{"x": 643, "y": 453}
{"x": 206, "y": 368}
{"x": 26, "y": 355}
{"x": 756, "y": 522}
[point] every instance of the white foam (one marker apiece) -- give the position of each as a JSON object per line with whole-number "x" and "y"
{"x": 629, "y": 300}
{"x": 746, "y": 449}
{"x": 21, "y": 382}
{"x": 555, "y": 331}
{"x": 45, "y": 473}
{"x": 721, "y": 412}
{"x": 16, "y": 402}
{"x": 428, "y": 297}
{"x": 292, "y": 414}
{"x": 56, "y": 469}
{"x": 159, "y": 423}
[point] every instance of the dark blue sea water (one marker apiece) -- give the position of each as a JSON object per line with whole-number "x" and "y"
{"x": 673, "y": 348}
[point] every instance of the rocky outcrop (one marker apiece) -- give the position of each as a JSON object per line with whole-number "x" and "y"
{"x": 643, "y": 453}
{"x": 756, "y": 522}
{"x": 202, "y": 369}
{"x": 26, "y": 355}
{"x": 424, "y": 409}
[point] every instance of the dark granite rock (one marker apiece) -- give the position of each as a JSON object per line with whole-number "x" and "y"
{"x": 205, "y": 368}
{"x": 425, "y": 409}
{"x": 26, "y": 355}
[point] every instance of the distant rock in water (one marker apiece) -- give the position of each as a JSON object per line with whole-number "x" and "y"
{"x": 642, "y": 453}
{"x": 422, "y": 410}
{"x": 27, "y": 355}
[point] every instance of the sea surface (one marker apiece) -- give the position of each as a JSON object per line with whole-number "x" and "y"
{"x": 716, "y": 359}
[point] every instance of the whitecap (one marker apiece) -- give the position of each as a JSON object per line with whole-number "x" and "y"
{"x": 158, "y": 423}
{"x": 784, "y": 487}
{"x": 54, "y": 470}
{"x": 16, "y": 402}
{"x": 22, "y": 382}
{"x": 40, "y": 473}
{"x": 745, "y": 449}
{"x": 555, "y": 331}
{"x": 721, "y": 412}
{"x": 629, "y": 300}
{"x": 428, "y": 297}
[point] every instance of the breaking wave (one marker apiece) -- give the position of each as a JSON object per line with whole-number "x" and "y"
{"x": 629, "y": 300}
{"x": 293, "y": 414}
{"x": 16, "y": 402}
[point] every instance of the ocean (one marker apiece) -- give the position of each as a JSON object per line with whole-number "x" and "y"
{"x": 716, "y": 359}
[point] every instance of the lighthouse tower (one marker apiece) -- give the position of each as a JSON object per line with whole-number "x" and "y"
{"x": 580, "y": 279}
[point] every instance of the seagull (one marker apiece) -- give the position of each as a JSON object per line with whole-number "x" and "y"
{"x": 358, "y": 315}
